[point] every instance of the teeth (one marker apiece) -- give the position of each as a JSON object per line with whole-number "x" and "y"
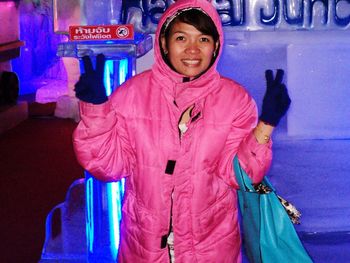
{"x": 191, "y": 62}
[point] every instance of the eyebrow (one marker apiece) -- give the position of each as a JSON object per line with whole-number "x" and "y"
{"x": 179, "y": 31}
{"x": 183, "y": 32}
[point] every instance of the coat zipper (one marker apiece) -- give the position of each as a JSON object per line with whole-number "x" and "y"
{"x": 171, "y": 224}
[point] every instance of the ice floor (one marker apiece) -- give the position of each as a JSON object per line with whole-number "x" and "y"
{"x": 312, "y": 174}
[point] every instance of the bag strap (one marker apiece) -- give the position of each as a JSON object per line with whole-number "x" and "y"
{"x": 244, "y": 181}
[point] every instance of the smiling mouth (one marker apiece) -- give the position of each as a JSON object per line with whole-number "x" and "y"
{"x": 191, "y": 62}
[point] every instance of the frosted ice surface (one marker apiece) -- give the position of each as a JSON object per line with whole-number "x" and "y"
{"x": 318, "y": 81}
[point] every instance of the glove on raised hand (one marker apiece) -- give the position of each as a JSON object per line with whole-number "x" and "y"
{"x": 276, "y": 99}
{"x": 90, "y": 87}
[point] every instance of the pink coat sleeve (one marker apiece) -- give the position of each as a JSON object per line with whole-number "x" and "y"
{"x": 254, "y": 158}
{"x": 101, "y": 142}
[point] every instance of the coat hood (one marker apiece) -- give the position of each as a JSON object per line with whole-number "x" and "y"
{"x": 204, "y": 5}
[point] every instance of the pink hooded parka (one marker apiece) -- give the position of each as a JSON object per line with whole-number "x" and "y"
{"x": 185, "y": 181}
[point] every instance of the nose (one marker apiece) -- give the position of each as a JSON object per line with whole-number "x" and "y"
{"x": 192, "y": 48}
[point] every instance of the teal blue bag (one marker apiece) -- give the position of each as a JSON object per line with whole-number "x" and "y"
{"x": 268, "y": 233}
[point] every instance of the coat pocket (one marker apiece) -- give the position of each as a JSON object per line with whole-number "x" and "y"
{"x": 218, "y": 220}
{"x": 140, "y": 217}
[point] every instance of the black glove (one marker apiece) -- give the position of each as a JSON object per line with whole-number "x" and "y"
{"x": 276, "y": 99}
{"x": 90, "y": 87}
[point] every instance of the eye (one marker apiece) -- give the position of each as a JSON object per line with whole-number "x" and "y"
{"x": 204, "y": 39}
{"x": 180, "y": 38}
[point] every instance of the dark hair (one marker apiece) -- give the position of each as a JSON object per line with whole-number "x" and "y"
{"x": 194, "y": 17}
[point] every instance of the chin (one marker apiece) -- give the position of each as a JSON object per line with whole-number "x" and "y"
{"x": 192, "y": 74}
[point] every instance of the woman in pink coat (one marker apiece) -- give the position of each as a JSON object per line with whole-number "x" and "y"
{"x": 173, "y": 132}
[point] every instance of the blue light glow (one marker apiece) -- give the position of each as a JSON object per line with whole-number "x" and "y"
{"x": 115, "y": 196}
{"x": 108, "y": 76}
{"x": 89, "y": 214}
{"x": 123, "y": 70}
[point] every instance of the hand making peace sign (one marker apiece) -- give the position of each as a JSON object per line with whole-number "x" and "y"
{"x": 90, "y": 87}
{"x": 276, "y": 99}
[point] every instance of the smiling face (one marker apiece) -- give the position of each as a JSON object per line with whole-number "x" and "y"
{"x": 188, "y": 50}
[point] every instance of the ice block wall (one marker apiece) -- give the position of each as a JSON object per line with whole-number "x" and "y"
{"x": 310, "y": 41}
{"x": 316, "y": 64}
{"x": 319, "y": 81}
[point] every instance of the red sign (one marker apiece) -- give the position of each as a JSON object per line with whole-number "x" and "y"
{"x": 102, "y": 32}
